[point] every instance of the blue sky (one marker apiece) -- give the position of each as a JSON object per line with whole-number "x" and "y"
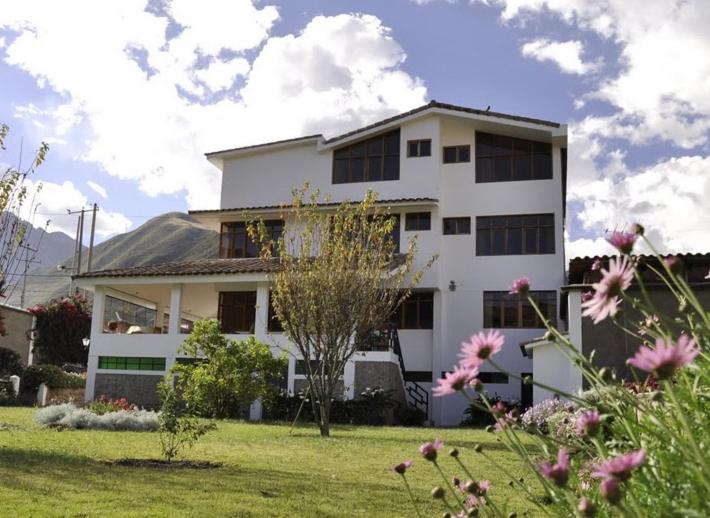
{"x": 130, "y": 101}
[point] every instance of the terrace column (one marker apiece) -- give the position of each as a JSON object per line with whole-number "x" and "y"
{"x": 438, "y": 341}
{"x": 349, "y": 379}
{"x": 261, "y": 325}
{"x": 97, "y": 329}
{"x": 175, "y": 309}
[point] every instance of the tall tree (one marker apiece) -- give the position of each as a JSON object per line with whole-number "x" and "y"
{"x": 340, "y": 279}
{"x": 16, "y": 198}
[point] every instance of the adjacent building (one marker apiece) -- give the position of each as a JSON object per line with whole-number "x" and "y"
{"x": 483, "y": 190}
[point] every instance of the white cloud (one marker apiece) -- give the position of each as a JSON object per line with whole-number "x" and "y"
{"x": 140, "y": 103}
{"x": 53, "y": 201}
{"x": 565, "y": 54}
{"x": 98, "y": 189}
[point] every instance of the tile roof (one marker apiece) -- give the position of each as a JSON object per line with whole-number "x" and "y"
{"x": 196, "y": 267}
{"x": 329, "y": 204}
{"x": 256, "y": 146}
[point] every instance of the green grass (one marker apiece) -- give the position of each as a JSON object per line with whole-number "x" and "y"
{"x": 266, "y": 471}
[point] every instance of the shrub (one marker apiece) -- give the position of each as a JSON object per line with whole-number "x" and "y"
{"x": 50, "y": 375}
{"x": 104, "y": 405}
{"x": 536, "y": 417}
{"x": 405, "y": 415}
{"x": 70, "y": 416}
{"x": 10, "y": 362}
{"x": 7, "y": 394}
{"x": 178, "y": 430}
{"x": 477, "y": 413}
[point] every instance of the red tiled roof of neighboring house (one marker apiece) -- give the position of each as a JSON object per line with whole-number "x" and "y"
{"x": 329, "y": 204}
{"x": 196, "y": 267}
{"x": 384, "y": 122}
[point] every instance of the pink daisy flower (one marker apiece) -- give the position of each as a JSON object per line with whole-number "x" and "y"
{"x": 596, "y": 265}
{"x": 708, "y": 275}
{"x": 622, "y": 241}
{"x": 521, "y": 286}
{"x": 558, "y": 473}
{"x": 455, "y": 381}
{"x": 605, "y": 300}
{"x": 586, "y": 507}
{"x": 481, "y": 347}
{"x": 609, "y": 489}
{"x": 402, "y": 467}
{"x": 666, "y": 358}
{"x": 620, "y": 467}
{"x": 588, "y": 423}
{"x": 505, "y": 421}
{"x": 587, "y": 296}
{"x": 429, "y": 450}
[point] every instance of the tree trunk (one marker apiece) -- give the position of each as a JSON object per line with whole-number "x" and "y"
{"x": 324, "y": 423}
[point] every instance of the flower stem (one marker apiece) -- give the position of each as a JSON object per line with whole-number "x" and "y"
{"x": 411, "y": 496}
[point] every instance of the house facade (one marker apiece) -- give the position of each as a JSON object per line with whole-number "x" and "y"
{"x": 483, "y": 190}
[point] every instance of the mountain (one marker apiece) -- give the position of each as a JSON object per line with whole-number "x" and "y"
{"x": 169, "y": 237}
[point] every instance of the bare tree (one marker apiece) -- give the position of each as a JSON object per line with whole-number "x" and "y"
{"x": 15, "y": 198}
{"x": 340, "y": 279}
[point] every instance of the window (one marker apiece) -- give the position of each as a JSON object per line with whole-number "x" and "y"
{"x": 515, "y": 235}
{"x": 416, "y": 312}
{"x": 128, "y": 363}
{"x": 505, "y": 159}
{"x": 274, "y": 324}
{"x": 457, "y": 226}
{"x": 456, "y": 154}
{"x": 502, "y": 310}
{"x": 493, "y": 377}
{"x": 417, "y": 221}
{"x": 127, "y": 313}
{"x": 235, "y": 242}
{"x": 417, "y": 148}
{"x": 372, "y": 160}
{"x": 237, "y": 311}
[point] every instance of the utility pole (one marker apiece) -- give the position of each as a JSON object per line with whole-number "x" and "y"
{"x": 91, "y": 239}
{"x": 80, "y": 239}
{"x": 28, "y": 261}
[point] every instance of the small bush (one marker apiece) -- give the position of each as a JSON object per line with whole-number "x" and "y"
{"x": 70, "y": 416}
{"x": 405, "y": 415}
{"x": 476, "y": 415}
{"x": 7, "y": 395}
{"x": 10, "y": 362}
{"x": 104, "y": 405}
{"x": 536, "y": 417}
{"x": 50, "y": 375}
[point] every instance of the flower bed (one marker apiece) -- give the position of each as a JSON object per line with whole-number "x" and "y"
{"x": 68, "y": 415}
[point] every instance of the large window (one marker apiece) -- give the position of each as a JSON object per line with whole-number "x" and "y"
{"x": 502, "y": 310}
{"x": 515, "y": 235}
{"x": 417, "y": 221}
{"x": 457, "y": 154}
{"x": 505, "y": 159}
{"x": 416, "y": 312}
{"x": 454, "y": 226}
{"x": 237, "y": 311}
{"x": 235, "y": 242}
{"x": 121, "y": 314}
{"x": 372, "y": 160}
{"x": 128, "y": 363}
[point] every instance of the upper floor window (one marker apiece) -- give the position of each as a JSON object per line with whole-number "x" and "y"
{"x": 372, "y": 160}
{"x": 235, "y": 242}
{"x": 417, "y": 148}
{"x": 416, "y": 312}
{"x": 515, "y": 235}
{"x": 457, "y": 226}
{"x": 456, "y": 154}
{"x": 505, "y": 159}
{"x": 417, "y": 221}
{"x": 237, "y": 311}
{"x": 119, "y": 315}
{"x": 502, "y": 310}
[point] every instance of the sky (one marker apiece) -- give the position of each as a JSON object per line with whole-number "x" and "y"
{"x": 130, "y": 94}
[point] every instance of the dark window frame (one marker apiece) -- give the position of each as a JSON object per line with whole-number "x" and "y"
{"x": 243, "y": 301}
{"x": 422, "y": 146}
{"x": 415, "y": 221}
{"x": 415, "y": 312}
{"x": 273, "y": 324}
{"x": 494, "y": 377}
{"x": 460, "y": 223}
{"x": 127, "y": 363}
{"x": 500, "y": 158}
{"x": 241, "y": 245}
{"x": 462, "y": 154}
{"x": 368, "y": 152}
{"x": 512, "y": 234}
{"x": 499, "y": 307}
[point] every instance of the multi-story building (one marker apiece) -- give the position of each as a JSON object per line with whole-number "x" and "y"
{"x": 483, "y": 190}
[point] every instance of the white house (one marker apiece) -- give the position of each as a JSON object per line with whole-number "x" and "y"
{"x": 483, "y": 190}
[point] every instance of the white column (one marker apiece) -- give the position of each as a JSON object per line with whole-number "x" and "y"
{"x": 175, "y": 309}
{"x": 349, "y": 379}
{"x": 262, "y": 309}
{"x": 159, "y": 316}
{"x": 574, "y": 317}
{"x": 438, "y": 341}
{"x": 97, "y": 329}
{"x": 255, "y": 410}
{"x": 290, "y": 381}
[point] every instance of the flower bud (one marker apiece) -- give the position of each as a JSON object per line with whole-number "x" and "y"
{"x": 454, "y": 453}
{"x": 438, "y": 492}
{"x": 586, "y": 507}
{"x": 478, "y": 448}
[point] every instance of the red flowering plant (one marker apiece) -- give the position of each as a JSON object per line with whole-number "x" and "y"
{"x": 61, "y": 326}
{"x": 634, "y": 447}
{"x": 103, "y": 405}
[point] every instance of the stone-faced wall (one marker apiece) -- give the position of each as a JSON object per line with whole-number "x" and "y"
{"x": 139, "y": 389}
{"x": 18, "y": 323}
{"x": 384, "y": 375}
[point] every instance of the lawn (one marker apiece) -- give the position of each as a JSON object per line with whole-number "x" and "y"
{"x": 265, "y": 471}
